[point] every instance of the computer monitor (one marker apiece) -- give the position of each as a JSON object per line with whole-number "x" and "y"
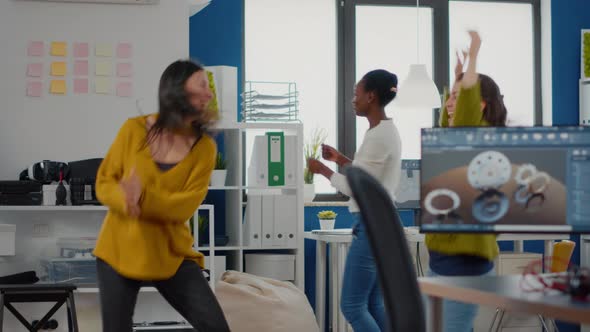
{"x": 533, "y": 179}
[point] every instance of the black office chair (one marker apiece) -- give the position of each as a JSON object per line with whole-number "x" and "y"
{"x": 398, "y": 281}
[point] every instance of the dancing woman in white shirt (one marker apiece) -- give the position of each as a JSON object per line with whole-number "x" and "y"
{"x": 379, "y": 155}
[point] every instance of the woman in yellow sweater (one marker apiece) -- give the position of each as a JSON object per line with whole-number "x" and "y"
{"x": 475, "y": 100}
{"x": 153, "y": 178}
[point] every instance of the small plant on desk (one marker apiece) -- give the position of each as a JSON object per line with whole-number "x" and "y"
{"x": 327, "y": 219}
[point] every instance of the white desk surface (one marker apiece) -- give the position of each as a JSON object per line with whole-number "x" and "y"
{"x": 413, "y": 235}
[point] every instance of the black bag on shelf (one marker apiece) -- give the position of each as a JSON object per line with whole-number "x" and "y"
{"x": 82, "y": 180}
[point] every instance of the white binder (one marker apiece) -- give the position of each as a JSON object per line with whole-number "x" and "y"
{"x": 285, "y": 221}
{"x": 268, "y": 216}
{"x": 253, "y": 222}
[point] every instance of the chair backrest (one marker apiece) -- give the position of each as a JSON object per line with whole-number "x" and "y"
{"x": 398, "y": 281}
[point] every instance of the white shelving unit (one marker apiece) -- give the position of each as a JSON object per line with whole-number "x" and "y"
{"x": 237, "y": 140}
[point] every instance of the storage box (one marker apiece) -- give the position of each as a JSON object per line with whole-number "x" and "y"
{"x": 49, "y": 194}
{"x": 274, "y": 266}
{"x": 7, "y": 242}
{"x": 76, "y": 247}
{"x": 70, "y": 270}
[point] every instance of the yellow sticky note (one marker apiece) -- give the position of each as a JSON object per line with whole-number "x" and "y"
{"x": 104, "y": 50}
{"x": 103, "y": 68}
{"x": 102, "y": 85}
{"x": 58, "y": 69}
{"x": 59, "y": 49}
{"x": 58, "y": 87}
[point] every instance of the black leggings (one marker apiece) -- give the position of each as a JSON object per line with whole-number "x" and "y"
{"x": 187, "y": 291}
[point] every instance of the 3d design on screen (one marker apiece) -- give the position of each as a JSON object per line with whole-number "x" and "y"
{"x": 531, "y": 186}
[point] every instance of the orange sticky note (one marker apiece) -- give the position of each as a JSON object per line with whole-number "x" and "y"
{"x": 59, "y": 49}
{"x": 58, "y": 69}
{"x": 58, "y": 87}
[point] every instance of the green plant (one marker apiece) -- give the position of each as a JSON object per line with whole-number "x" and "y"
{"x": 220, "y": 163}
{"x": 213, "y": 105}
{"x": 311, "y": 150}
{"x": 327, "y": 214}
{"x": 586, "y": 54}
{"x": 203, "y": 224}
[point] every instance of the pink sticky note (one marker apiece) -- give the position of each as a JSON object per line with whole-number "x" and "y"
{"x": 35, "y": 69}
{"x": 124, "y": 50}
{"x": 81, "y": 50}
{"x": 34, "y": 89}
{"x": 124, "y": 89}
{"x": 35, "y": 48}
{"x": 81, "y": 68}
{"x": 80, "y": 85}
{"x": 124, "y": 70}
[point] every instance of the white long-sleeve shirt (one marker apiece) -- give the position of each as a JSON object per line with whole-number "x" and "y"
{"x": 380, "y": 156}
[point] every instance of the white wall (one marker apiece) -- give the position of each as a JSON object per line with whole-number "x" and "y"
{"x": 76, "y": 127}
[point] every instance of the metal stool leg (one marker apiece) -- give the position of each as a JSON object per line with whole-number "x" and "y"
{"x": 494, "y": 320}
{"x": 1, "y": 312}
{"x": 73, "y": 318}
{"x": 500, "y": 321}
{"x": 545, "y": 328}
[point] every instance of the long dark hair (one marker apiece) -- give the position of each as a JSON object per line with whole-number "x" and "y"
{"x": 383, "y": 83}
{"x": 173, "y": 102}
{"x": 495, "y": 112}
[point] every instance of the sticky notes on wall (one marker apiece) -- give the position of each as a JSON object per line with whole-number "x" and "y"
{"x": 35, "y": 48}
{"x": 58, "y": 87}
{"x": 103, "y": 68}
{"x": 58, "y": 69}
{"x": 81, "y": 50}
{"x": 102, "y": 85}
{"x": 124, "y": 89}
{"x": 35, "y": 69}
{"x": 103, "y": 50}
{"x": 34, "y": 89}
{"x": 59, "y": 49}
{"x": 81, "y": 68}
{"x": 124, "y": 50}
{"x": 124, "y": 70}
{"x": 80, "y": 85}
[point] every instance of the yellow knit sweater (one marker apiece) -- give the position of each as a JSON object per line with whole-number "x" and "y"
{"x": 152, "y": 246}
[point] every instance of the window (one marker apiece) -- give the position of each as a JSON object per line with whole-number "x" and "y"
{"x": 296, "y": 41}
{"x": 509, "y": 61}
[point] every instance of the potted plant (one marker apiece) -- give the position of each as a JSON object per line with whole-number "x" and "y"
{"x": 327, "y": 219}
{"x": 311, "y": 150}
{"x": 220, "y": 172}
{"x": 586, "y": 53}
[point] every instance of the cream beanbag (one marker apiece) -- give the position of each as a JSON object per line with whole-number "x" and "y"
{"x": 256, "y": 304}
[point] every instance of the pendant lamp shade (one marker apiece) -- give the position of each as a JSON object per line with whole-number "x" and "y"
{"x": 418, "y": 90}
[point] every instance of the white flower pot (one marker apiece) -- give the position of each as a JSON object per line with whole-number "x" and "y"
{"x": 327, "y": 223}
{"x": 308, "y": 192}
{"x": 218, "y": 178}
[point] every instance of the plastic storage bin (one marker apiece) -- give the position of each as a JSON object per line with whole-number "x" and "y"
{"x": 76, "y": 247}
{"x": 70, "y": 270}
{"x": 274, "y": 266}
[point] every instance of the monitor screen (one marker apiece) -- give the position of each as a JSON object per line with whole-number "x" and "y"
{"x": 533, "y": 179}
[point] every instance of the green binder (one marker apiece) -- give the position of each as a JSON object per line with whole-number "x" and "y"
{"x": 276, "y": 158}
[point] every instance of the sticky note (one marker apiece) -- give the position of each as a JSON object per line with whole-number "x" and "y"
{"x": 58, "y": 87}
{"x": 124, "y": 89}
{"x": 124, "y": 50}
{"x": 58, "y": 69}
{"x": 81, "y": 68}
{"x": 35, "y": 48}
{"x": 80, "y": 85}
{"x": 35, "y": 69}
{"x": 59, "y": 49}
{"x": 124, "y": 70}
{"x": 103, "y": 68}
{"x": 34, "y": 89}
{"x": 102, "y": 85}
{"x": 81, "y": 50}
{"x": 103, "y": 50}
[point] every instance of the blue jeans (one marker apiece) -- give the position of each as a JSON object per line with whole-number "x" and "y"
{"x": 459, "y": 316}
{"x": 362, "y": 301}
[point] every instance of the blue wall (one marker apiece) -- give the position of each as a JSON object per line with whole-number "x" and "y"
{"x": 567, "y": 19}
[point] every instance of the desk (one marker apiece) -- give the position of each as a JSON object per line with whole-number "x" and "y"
{"x": 339, "y": 247}
{"x": 502, "y": 292}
